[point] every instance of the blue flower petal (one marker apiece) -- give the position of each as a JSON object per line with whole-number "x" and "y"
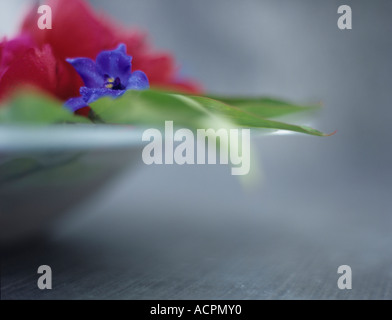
{"x": 75, "y": 104}
{"x": 109, "y": 76}
{"x": 93, "y": 94}
{"x": 87, "y": 69}
{"x": 115, "y": 63}
{"x": 138, "y": 81}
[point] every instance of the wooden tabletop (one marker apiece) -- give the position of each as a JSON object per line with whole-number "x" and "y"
{"x": 172, "y": 232}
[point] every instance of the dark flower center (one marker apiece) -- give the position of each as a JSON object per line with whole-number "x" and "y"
{"x": 114, "y": 84}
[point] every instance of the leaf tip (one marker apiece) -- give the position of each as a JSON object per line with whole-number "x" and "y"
{"x": 331, "y": 134}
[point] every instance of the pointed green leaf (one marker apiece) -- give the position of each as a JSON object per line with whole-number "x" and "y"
{"x": 248, "y": 119}
{"x": 265, "y": 107}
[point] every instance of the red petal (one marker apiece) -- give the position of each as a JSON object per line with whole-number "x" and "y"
{"x": 76, "y": 31}
{"x": 68, "y": 81}
{"x": 185, "y": 86}
{"x": 37, "y": 67}
{"x": 159, "y": 69}
{"x": 13, "y": 49}
{"x": 85, "y": 111}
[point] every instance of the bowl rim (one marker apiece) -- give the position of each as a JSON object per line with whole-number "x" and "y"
{"x": 68, "y": 137}
{"x": 21, "y": 138}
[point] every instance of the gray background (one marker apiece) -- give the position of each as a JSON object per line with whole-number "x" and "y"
{"x": 172, "y": 232}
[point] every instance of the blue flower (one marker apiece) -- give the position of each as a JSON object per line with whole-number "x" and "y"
{"x": 110, "y": 75}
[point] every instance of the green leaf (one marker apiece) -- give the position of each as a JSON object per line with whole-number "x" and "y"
{"x": 150, "y": 107}
{"x": 154, "y": 107}
{"x": 265, "y": 107}
{"x": 36, "y": 108}
{"x": 248, "y": 119}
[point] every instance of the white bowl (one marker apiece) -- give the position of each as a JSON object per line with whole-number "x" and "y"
{"x": 45, "y": 171}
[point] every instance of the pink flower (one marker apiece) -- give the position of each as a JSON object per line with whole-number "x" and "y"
{"x": 38, "y": 57}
